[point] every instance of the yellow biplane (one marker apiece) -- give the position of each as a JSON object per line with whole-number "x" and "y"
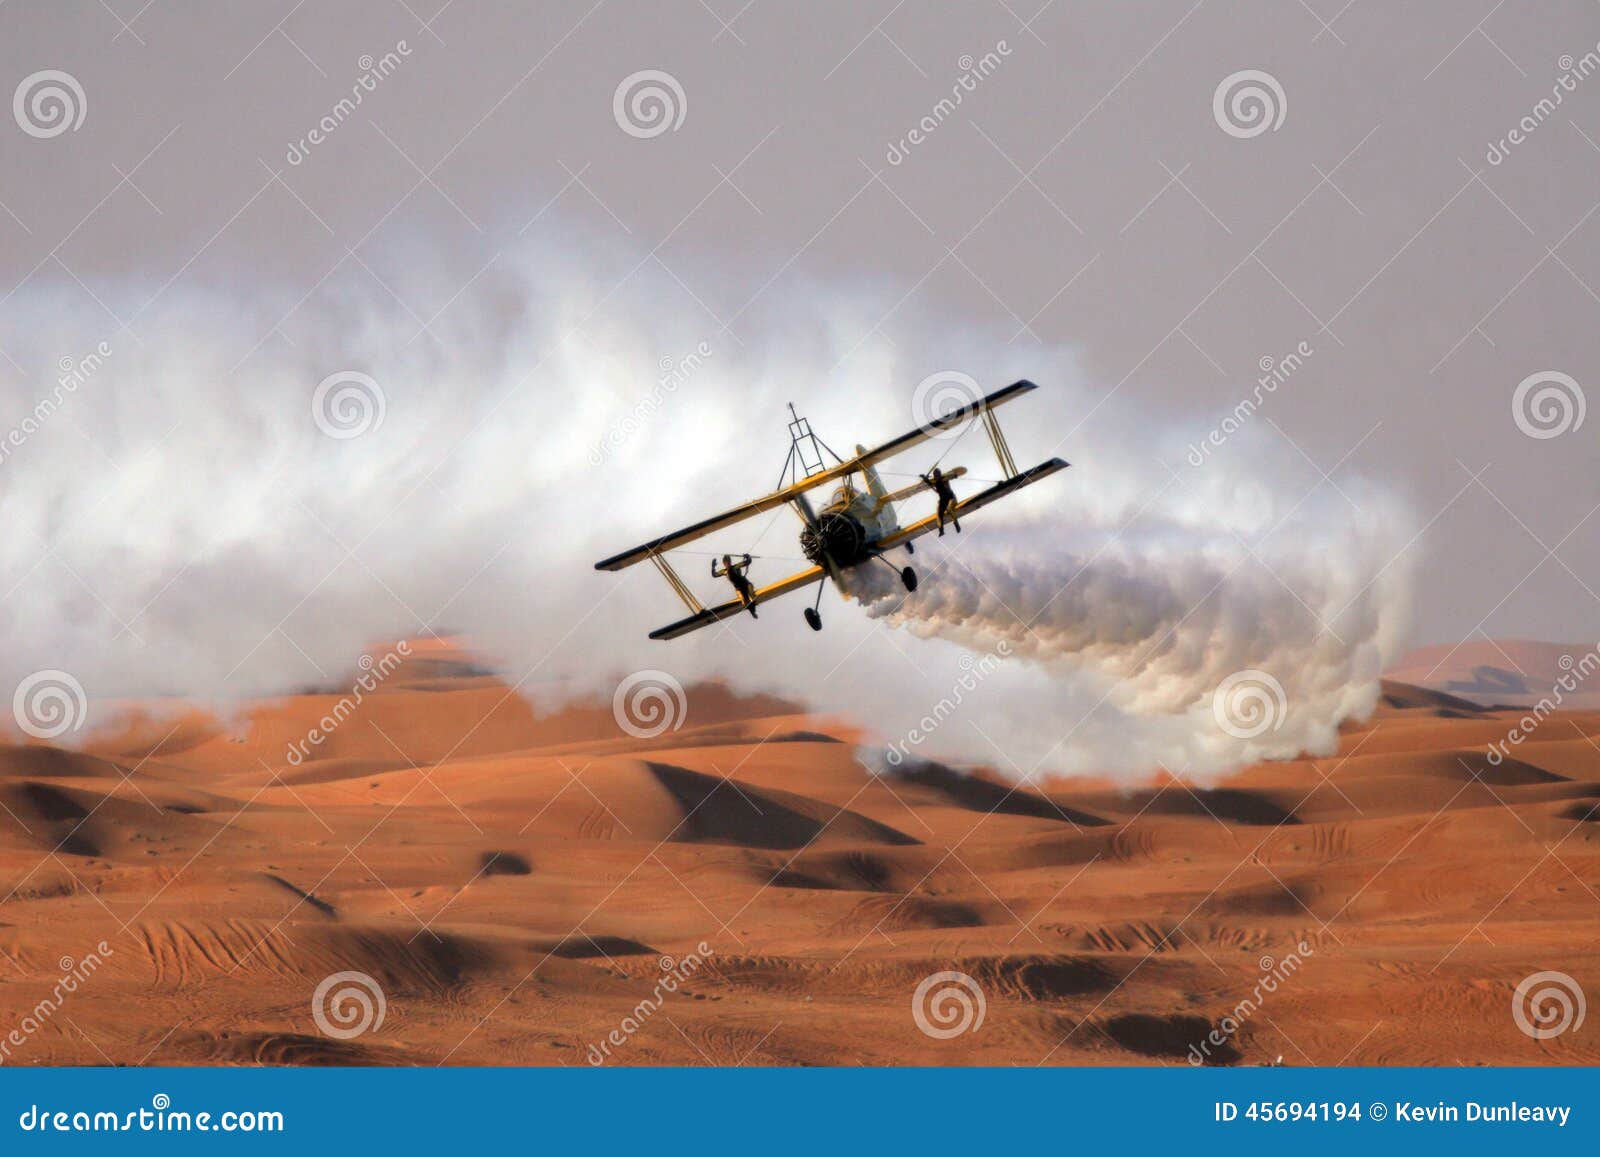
{"x": 857, "y": 525}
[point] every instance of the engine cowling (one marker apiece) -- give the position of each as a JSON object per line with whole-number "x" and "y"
{"x": 835, "y": 536}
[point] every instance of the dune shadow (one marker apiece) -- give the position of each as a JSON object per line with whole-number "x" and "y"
{"x": 504, "y": 864}
{"x": 717, "y": 810}
{"x": 320, "y": 905}
{"x": 1252, "y": 809}
{"x": 983, "y": 796}
{"x": 1168, "y": 1037}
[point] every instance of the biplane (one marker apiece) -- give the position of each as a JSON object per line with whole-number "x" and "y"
{"x": 856, "y": 527}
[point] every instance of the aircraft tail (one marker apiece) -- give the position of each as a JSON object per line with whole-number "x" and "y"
{"x": 874, "y": 483}
{"x": 882, "y": 500}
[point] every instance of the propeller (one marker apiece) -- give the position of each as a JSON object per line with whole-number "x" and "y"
{"x": 814, "y": 526}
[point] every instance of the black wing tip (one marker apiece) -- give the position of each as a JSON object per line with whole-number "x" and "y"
{"x": 684, "y": 626}
{"x": 618, "y": 561}
{"x": 1048, "y": 466}
{"x": 1020, "y": 386}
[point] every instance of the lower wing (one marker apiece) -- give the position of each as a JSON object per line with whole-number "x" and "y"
{"x": 735, "y": 606}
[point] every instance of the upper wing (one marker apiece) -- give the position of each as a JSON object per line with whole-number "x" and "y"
{"x": 706, "y": 526}
{"x": 976, "y": 502}
{"x": 928, "y": 429}
{"x": 736, "y": 606}
{"x": 789, "y": 493}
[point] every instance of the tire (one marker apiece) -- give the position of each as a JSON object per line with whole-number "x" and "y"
{"x": 909, "y": 578}
{"x": 813, "y": 619}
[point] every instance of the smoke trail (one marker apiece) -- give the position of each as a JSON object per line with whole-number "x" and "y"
{"x": 1171, "y": 645}
{"x": 234, "y": 494}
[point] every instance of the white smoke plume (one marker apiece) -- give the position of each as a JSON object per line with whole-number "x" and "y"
{"x": 239, "y": 491}
{"x": 1175, "y": 647}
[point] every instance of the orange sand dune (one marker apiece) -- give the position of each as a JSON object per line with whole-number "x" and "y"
{"x": 517, "y": 886}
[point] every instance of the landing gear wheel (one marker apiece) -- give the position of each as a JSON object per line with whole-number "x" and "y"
{"x": 813, "y": 619}
{"x": 911, "y": 548}
{"x": 909, "y": 577}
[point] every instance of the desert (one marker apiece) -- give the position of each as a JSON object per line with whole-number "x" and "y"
{"x": 455, "y": 878}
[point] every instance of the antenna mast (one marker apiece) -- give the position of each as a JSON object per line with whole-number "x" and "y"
{"x": 805, "y": 451}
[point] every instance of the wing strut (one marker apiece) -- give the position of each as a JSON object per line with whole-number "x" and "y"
{"x": 997, "y": 439}
{"x": 677, "y": 584}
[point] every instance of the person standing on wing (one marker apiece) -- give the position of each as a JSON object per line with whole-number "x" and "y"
{"x": 734, "y": 573}
{"x": 940, "y": 485}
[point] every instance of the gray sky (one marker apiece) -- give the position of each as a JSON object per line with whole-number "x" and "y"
{"x": 1082, "y": 194}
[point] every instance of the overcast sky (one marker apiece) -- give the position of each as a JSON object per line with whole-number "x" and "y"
{"x": 1085, "y": 192}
